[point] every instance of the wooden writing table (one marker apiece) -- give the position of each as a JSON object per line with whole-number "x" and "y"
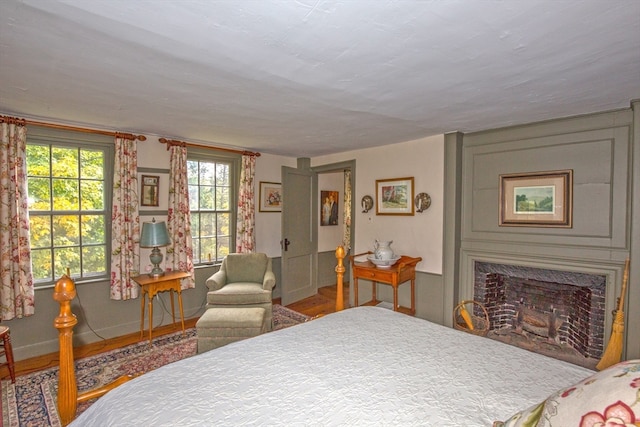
{"x": 403, "y": 270}
{"x": 170, "y": 281}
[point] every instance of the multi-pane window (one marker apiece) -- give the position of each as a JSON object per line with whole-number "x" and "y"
{"x": 212, "y": 202}
{"x": 69, "y": 195}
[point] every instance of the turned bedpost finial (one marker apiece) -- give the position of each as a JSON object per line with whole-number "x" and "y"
{"x": 340, "y": 254}
{"x": 64, "y": 292}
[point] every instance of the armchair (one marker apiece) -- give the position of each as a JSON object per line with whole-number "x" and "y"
{"x": 244, "y": 280}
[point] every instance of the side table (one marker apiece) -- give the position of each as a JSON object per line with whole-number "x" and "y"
{"x": 170, "y": 281}
{"x": 402, "y": 271}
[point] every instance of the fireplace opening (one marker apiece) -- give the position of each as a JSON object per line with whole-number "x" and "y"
{"x": 556, "y": 313}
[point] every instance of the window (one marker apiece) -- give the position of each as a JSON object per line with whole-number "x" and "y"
{"x": 69, "y": 183}
{"x": 212, "y": 201}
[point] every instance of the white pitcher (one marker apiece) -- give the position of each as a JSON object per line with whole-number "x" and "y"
{"x": 382, "y": 249}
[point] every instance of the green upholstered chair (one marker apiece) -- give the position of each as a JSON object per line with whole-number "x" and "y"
{"x": 244, "y": 280}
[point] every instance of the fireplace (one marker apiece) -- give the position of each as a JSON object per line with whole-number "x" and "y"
{"x": 557, "y": 313}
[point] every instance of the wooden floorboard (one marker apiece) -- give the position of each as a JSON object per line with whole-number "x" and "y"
{"x": 324, "y": 302}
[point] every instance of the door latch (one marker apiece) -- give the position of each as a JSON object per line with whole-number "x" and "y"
{"x": 285, "y": 244}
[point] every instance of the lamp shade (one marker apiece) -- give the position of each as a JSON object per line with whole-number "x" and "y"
{"x": 154, "y": 234}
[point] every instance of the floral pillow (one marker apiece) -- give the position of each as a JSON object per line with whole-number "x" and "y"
{"x": 607, "y": 398}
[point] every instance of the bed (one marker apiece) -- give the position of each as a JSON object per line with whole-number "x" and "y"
{"x": 365, "y": 366}
{"x": 361, "y": 366}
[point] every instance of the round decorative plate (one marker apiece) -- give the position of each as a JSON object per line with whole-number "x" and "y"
{"x": 367, "y": 203}
{"x": 422, "y": 201}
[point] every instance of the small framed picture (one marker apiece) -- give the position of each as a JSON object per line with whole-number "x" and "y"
{"x": 538, "y": 199}
{"x": 270, "y": 197}
{"x": 329, "y": 207}
{"x": 394, "y": 196}
{"x": 149, "y": 190}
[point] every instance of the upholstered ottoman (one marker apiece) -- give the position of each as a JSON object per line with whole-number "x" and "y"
{"x": 220, "y": 326}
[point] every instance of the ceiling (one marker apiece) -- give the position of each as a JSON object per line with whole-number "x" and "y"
{"x": 312, "y": 77}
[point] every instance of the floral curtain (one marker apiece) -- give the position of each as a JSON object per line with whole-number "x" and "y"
{"x": 16, "y": 279}
{"x": 245, "y": 236}
{"x": 180, "y": 252}
{"x": 125, "y": 222}
{"x": 346, "y": 237}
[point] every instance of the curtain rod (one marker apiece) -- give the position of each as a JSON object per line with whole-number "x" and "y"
{"x": 15, "y": 120}
{"x": 171, "y": 142}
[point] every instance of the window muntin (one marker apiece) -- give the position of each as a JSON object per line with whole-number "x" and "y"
{"x": 68, "y": 199}
{"x": 212, "y": 202}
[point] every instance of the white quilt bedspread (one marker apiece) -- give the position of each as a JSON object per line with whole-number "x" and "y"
{"x": 361, "y": 366}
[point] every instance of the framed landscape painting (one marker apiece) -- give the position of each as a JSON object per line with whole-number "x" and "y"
{"x": 394, "y": 196}
{"x": 539, "y": 199}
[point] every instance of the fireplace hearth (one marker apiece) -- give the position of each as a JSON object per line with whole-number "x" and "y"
{"x": 557, "y": 313}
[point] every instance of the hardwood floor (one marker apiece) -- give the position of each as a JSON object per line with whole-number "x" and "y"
{"x": 324, "y": 302}
{"x": 320, "y": 304}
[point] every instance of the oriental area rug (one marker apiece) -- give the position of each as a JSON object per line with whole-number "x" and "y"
{"x": 31, "y": 401}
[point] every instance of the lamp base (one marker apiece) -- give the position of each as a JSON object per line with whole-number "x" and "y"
{"x": 156, "y": 259}
{"x": 156, "y": 273}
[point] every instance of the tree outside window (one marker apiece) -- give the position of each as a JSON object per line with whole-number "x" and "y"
{"x": 68, "y": 215}
{"x": 212, "y": 205}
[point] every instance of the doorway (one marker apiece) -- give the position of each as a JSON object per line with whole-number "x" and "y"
{"x": 320, "y": 265}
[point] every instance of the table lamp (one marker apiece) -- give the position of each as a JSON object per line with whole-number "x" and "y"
{"x": 155, "y": 234}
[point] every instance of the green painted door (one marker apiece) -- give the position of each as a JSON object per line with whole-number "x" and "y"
{"x": 299, "y": 234}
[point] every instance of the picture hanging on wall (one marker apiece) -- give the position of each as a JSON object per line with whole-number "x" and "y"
{"x": 329, "y": 207}
{"x": 150, "y": 184}
{"x": 270, "y": 197}
{"x": 538, "y": 199}
{"x": 394, "y": 196}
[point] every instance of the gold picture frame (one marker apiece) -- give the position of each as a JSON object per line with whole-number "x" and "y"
{"x": 538, "y": 199}
{"x": 270, "y": 197}
{"x": 149, "y": 186}
{"x": 394, "y": 196}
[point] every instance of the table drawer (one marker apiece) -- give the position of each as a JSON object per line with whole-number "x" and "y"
{"x": 375, "y": 275}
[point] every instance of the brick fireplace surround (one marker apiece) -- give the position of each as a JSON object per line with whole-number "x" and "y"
{"x": 557, "y": 313}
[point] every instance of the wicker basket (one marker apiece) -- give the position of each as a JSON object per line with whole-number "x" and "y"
{"x": 480, "y": 323}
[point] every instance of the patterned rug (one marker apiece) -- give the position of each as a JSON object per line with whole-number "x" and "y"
{"x": 31, "y": 401}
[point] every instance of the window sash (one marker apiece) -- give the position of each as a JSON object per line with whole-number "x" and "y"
{"x": 90, "y": 255}
{"x": 207, "y": 220}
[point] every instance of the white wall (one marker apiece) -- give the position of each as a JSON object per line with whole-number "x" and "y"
{"x": 269, "y": 224}
{"x": 153, "y": 154}
{"x": 418, "y": 235}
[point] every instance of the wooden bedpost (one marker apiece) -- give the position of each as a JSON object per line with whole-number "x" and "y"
{"x": 340, "y": 254}
{"x": 64, "y": 292}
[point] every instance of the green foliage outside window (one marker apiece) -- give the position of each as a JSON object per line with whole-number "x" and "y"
{"x": 68, "y": 219}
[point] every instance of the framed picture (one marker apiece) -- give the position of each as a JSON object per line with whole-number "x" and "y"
{"x": 149, "y": 190}
{"x": 329, "y": 207}
{"x": 270, "y": 197}
{"x": 540, "y": 199}
{"x": 394, "y": 196}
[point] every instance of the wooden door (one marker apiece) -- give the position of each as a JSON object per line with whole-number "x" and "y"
{"x": 299, "y": 234}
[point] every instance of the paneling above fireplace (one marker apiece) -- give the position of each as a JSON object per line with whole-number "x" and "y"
{"x": 597, "y": 148}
